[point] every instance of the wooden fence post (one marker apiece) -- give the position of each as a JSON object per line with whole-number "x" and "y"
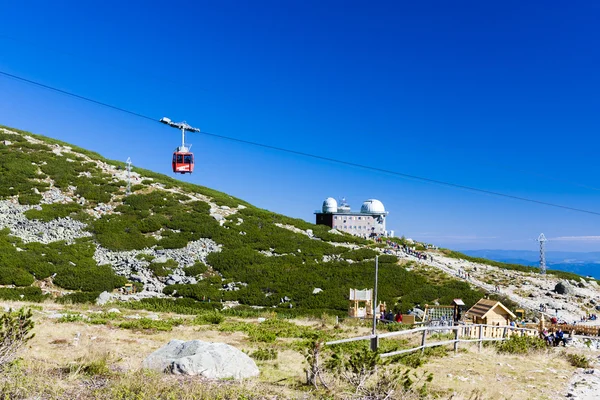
{"x": 374, "y": 343}
{"x": 480, "y": 336}
{"x": 456, "y": 339}
{"x": 423, "y": 340}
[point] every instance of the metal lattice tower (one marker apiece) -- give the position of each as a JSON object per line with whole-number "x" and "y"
{"x": 128, "y": 190}
{"x": 542, "y": 239}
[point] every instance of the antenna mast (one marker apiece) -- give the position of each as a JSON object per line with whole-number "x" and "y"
{"x": 542, "y": 239}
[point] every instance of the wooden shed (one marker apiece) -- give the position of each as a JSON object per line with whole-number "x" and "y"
{"x": 490, "y": 312}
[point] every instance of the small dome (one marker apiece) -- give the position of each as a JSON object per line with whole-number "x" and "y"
{"x": 330, "y": 205}
{"x": 372, "y": 206}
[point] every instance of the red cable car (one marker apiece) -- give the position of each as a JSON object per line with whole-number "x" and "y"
{"x": 183, "y": 162}
{"x": 183, "y": 158}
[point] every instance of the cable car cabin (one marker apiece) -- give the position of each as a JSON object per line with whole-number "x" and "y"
{"x": 183, "y": 162}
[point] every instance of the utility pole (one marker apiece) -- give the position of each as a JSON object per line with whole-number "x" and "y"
{"x": 375, "y": 339}
{"x": 542, "y": 239}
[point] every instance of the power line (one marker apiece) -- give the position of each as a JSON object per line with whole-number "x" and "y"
{"x": 163, "y": 78}
{"x": 77, "y": 96}
{"x": 314, "y": 156}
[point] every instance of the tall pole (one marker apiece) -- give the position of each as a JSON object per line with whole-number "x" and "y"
{"x": 542, "y": 239}
{"x": 182, "y": 139}
{"x": 375, "y": 295}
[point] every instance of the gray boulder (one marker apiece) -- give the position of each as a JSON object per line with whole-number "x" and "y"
{"x": 564, "y": 287}
{"x": 103, "y": 298}
{"x": 211, "y": 360}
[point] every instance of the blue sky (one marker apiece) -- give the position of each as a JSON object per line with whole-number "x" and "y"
{"x": 499, "y": 96}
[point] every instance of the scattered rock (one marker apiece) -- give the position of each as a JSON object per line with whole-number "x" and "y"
{"x": 103, "y": 298}
{"x": 564, "y": 287}
{"x": 195, "y": 357}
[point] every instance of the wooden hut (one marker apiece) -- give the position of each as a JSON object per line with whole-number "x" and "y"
{"x": 361, "y": 303}
{"x": 490, "y": 312}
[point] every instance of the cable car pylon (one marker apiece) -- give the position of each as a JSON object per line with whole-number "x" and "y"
{"x": 183, "y": 158}
{"x": 542, "y": 240}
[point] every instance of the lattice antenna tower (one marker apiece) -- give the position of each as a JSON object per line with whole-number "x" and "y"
{"x": 542, "y": 239}
{"x": 128, "y": 190}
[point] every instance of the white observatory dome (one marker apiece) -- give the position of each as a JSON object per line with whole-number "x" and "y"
{"x": 372, "y": 206}
{"x": 330, "y": 205}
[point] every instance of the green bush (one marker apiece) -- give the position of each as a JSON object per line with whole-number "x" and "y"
{"x": 29, "y": 198}
{"x": 150, "y": 324}
{"x": 163, "y": 269}
{"x": 15, "y": 276}
{"x": 179, "y": 306}
{"x": 67, "y": 318}
{"x": 197, "y": 269}
{"x": 214, "y": 318}
{"x": 33, "y": 294}
{"x": 264, "y": 354}
{"x": 50, "y": 212}
{"x": 15, "y": 332}
{"x": 97, "y": 278}
{"x": 360, "y": 254}
{"x": 578, "y": 360}
{"x": 521, "y": 345}
{"x": 78, "y": 298}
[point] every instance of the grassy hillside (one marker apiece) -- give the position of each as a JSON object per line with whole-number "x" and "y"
{"x": 265, "y": 251}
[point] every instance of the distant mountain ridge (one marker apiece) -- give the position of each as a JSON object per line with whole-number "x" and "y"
{"x": 582, "y": 263}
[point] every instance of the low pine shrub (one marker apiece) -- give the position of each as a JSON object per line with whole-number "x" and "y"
{"x": 79, "y": 298}
{"x": 578, "y": 360}
{"x": 521, "y": 345}
{"x": 264, "y": 354}
{"x": 196, "y": 269}
{"x": 33, "y": 294}
{"x": 15, "y": 332}
{"x": 214, "y": 318}
{"x": 53, "y": 211}
{"x": 151, "y": 324}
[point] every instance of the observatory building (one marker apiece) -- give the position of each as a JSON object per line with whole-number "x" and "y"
{"x": 368, "y": 222}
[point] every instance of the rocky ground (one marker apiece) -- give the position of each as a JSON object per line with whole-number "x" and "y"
{"x": 529, "y": 290}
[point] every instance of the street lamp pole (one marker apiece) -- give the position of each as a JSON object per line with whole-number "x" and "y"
{"x": 375, "y": 296}
{"x": 374, "y": 337}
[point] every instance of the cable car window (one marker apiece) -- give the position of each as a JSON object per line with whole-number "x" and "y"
{"x": 187, "y": 159}
{"x": 174, "y": 157}
{"x": 179, "y": 158}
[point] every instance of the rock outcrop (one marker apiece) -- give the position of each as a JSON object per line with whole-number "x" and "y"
{"x": 210, "y": 360}
{"x": 564, "y": 288}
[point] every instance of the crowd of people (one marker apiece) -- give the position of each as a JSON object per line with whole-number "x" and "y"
{"x": 389, "y": 316}
{"x": 461, "y": 273}
{"x": 554, "y": 338}
{"x": 418, "y": 254}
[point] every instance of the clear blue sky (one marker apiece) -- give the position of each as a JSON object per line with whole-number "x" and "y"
{"x": 503, "y": 96}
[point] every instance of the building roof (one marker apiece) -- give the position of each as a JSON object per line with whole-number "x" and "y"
{"x": 483, "y": 307}
{"x": 458, "y": 302}
{"x": 372, "y": 206}
{"x": 330, "y": 205}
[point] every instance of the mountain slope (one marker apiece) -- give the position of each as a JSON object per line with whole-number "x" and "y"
{"x": 68, "y": 225}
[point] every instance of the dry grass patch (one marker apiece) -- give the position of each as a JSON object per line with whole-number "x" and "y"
{"x": 496, "y": 376}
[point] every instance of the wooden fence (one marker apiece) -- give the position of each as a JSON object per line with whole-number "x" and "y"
{"x": 462, "y": 334}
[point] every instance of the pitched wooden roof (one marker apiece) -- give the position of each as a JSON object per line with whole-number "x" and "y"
{"x": 483, "y": 307}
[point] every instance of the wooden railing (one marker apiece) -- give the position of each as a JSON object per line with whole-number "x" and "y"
{"x": 462, "y": 334}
